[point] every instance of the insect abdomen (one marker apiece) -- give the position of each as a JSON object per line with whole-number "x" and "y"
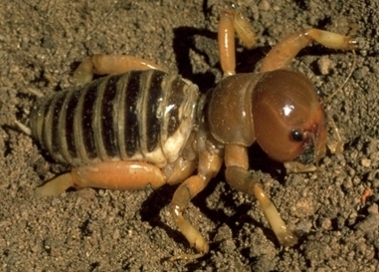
{"x": 139, "y": 115}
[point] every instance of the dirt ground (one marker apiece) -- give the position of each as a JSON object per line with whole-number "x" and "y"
{"x": 41, "y": 43}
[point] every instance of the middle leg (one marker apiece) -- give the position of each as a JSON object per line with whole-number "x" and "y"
{"x": 209, "y": 166}
{"x": 231, "y": 21}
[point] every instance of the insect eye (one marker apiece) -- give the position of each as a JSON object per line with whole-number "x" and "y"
{"x": 297, "y": 135}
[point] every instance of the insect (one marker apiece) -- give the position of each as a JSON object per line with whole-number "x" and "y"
{"x": 141, "y": 126}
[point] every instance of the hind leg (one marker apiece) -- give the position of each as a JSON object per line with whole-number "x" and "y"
{"x": 119, "y": 175}
{"x": 111, "y": 64}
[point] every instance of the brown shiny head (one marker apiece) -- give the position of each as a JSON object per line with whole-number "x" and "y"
{"x": 289, "y": 121}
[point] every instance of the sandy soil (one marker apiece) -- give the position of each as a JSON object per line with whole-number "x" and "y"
{"x": 41, "y": 43}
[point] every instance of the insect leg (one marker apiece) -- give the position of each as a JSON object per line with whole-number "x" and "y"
{"x": 226, "y": 43}
{"x": 101, "y": 64}
{"x": 118, "y": 175}
{"x": 285, "y": 50}
{"x": 209, "y": 165}
{"x": 237, "y": 175}
{"x": 231, "y": 21}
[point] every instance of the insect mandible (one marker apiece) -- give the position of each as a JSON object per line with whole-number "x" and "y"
{"x": 141, "y": 126}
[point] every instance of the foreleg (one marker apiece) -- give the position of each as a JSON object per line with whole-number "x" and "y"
{"x": 238, "y": 176}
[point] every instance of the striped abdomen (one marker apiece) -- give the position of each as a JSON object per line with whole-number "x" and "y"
{"x": 139, "y": 115}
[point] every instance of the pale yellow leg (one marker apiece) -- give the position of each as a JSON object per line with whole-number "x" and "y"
{"x": 241, "y": 179}
{"x": 117, "y": 175}
{"x": 111, "y": 64}
{"x": 286, "y": 49}
{"x": 183, "y": 195}
{"x": 55, "y": 187}
{"x": 231, "y": 21}
{"x": 226, "y": 43}
{"x": 284, "y": 235}
{"x": 209, "y": 165}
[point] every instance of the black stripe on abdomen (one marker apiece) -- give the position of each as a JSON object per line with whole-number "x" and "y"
{"x": 57, "y": 108}
{"x": 107, "y": 117}
{"x": 87, "y": 121}
{"x": 47, "y": 114}
{"x": 72, "y": 107}
{"x": 132, "y": 135}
